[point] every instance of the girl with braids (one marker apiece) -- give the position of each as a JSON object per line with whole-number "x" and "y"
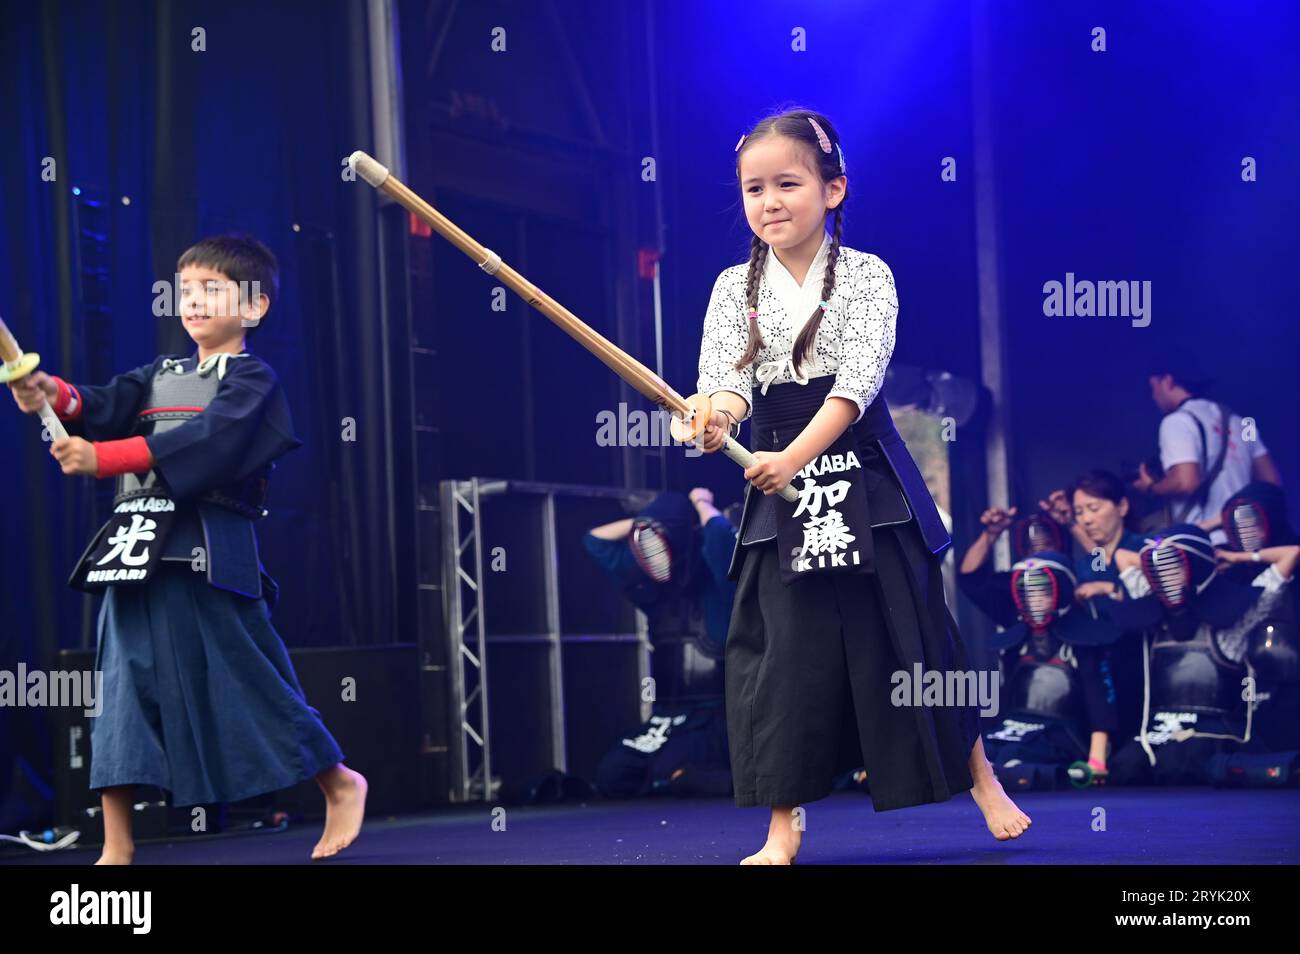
{"x": 815, "y": 653}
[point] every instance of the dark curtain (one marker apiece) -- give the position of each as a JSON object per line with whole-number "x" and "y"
{"x": 155, "y": 144}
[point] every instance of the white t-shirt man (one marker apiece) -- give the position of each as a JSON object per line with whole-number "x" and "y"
{"x": 1180, "y": 443}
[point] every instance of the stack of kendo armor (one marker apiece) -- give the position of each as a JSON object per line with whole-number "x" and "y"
{"x": 1042, "y": 726}
{"x": 1207, "y": 635}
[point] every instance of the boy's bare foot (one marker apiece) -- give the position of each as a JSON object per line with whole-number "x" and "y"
{"x": 1004, "y": 819}
{"x": 119, "y": 846}
{"x": 783, "y": 840}
{"x": 116, "y": 856}
{"x": 345, "y": 808}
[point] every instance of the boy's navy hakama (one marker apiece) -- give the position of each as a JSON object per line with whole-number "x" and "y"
{"x": 200, "y": 698}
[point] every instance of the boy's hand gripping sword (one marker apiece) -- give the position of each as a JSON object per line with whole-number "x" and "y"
{"x": 689, "y": 415}
{"x": 18, "y": 365}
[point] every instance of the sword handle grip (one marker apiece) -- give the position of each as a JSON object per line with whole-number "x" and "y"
{"x": 741, "y": 455}
{"x": 51, "y": 420}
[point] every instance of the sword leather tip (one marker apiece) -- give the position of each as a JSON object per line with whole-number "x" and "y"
{"x": 368, "y": 168}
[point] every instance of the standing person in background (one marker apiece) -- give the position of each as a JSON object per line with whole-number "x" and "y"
{"x": 1206, "y": 451}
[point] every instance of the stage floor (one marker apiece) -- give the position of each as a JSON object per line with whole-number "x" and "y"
{"x": 1142, "y": 826}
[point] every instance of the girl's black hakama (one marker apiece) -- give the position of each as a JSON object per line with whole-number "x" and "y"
{"x": 810, "y": 667}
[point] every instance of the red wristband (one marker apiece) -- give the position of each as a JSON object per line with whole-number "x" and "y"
{"x": 67, "y": 403}
{"x": 128, "y": 456}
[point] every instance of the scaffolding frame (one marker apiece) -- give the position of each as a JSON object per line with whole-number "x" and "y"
{"x": 465, "y": 614}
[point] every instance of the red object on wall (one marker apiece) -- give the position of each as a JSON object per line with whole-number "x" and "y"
{"x": 646, "y": 259}
{"x": 420, "y": 228}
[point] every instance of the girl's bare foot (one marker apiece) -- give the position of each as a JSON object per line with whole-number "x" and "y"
{"x": 783, "y": 840}
{"x": 1005, "y": 820}
{"x": 345, "y": 808}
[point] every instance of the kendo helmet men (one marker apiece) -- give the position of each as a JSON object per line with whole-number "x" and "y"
{"x": 1255, "y": 517}
{"x": 652, "y": 548}
{"x": 1043, "y": 589}
{"x": 662, "y": 543}
{"x": 1178, "y": 564}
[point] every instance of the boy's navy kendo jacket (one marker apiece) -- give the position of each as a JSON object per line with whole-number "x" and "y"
{"x": 214, "y": 431}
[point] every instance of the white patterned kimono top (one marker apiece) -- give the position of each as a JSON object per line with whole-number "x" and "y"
{"x": 854, "y": 341}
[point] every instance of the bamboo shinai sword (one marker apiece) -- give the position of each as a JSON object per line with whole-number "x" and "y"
{"x": 689, "y": 415}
